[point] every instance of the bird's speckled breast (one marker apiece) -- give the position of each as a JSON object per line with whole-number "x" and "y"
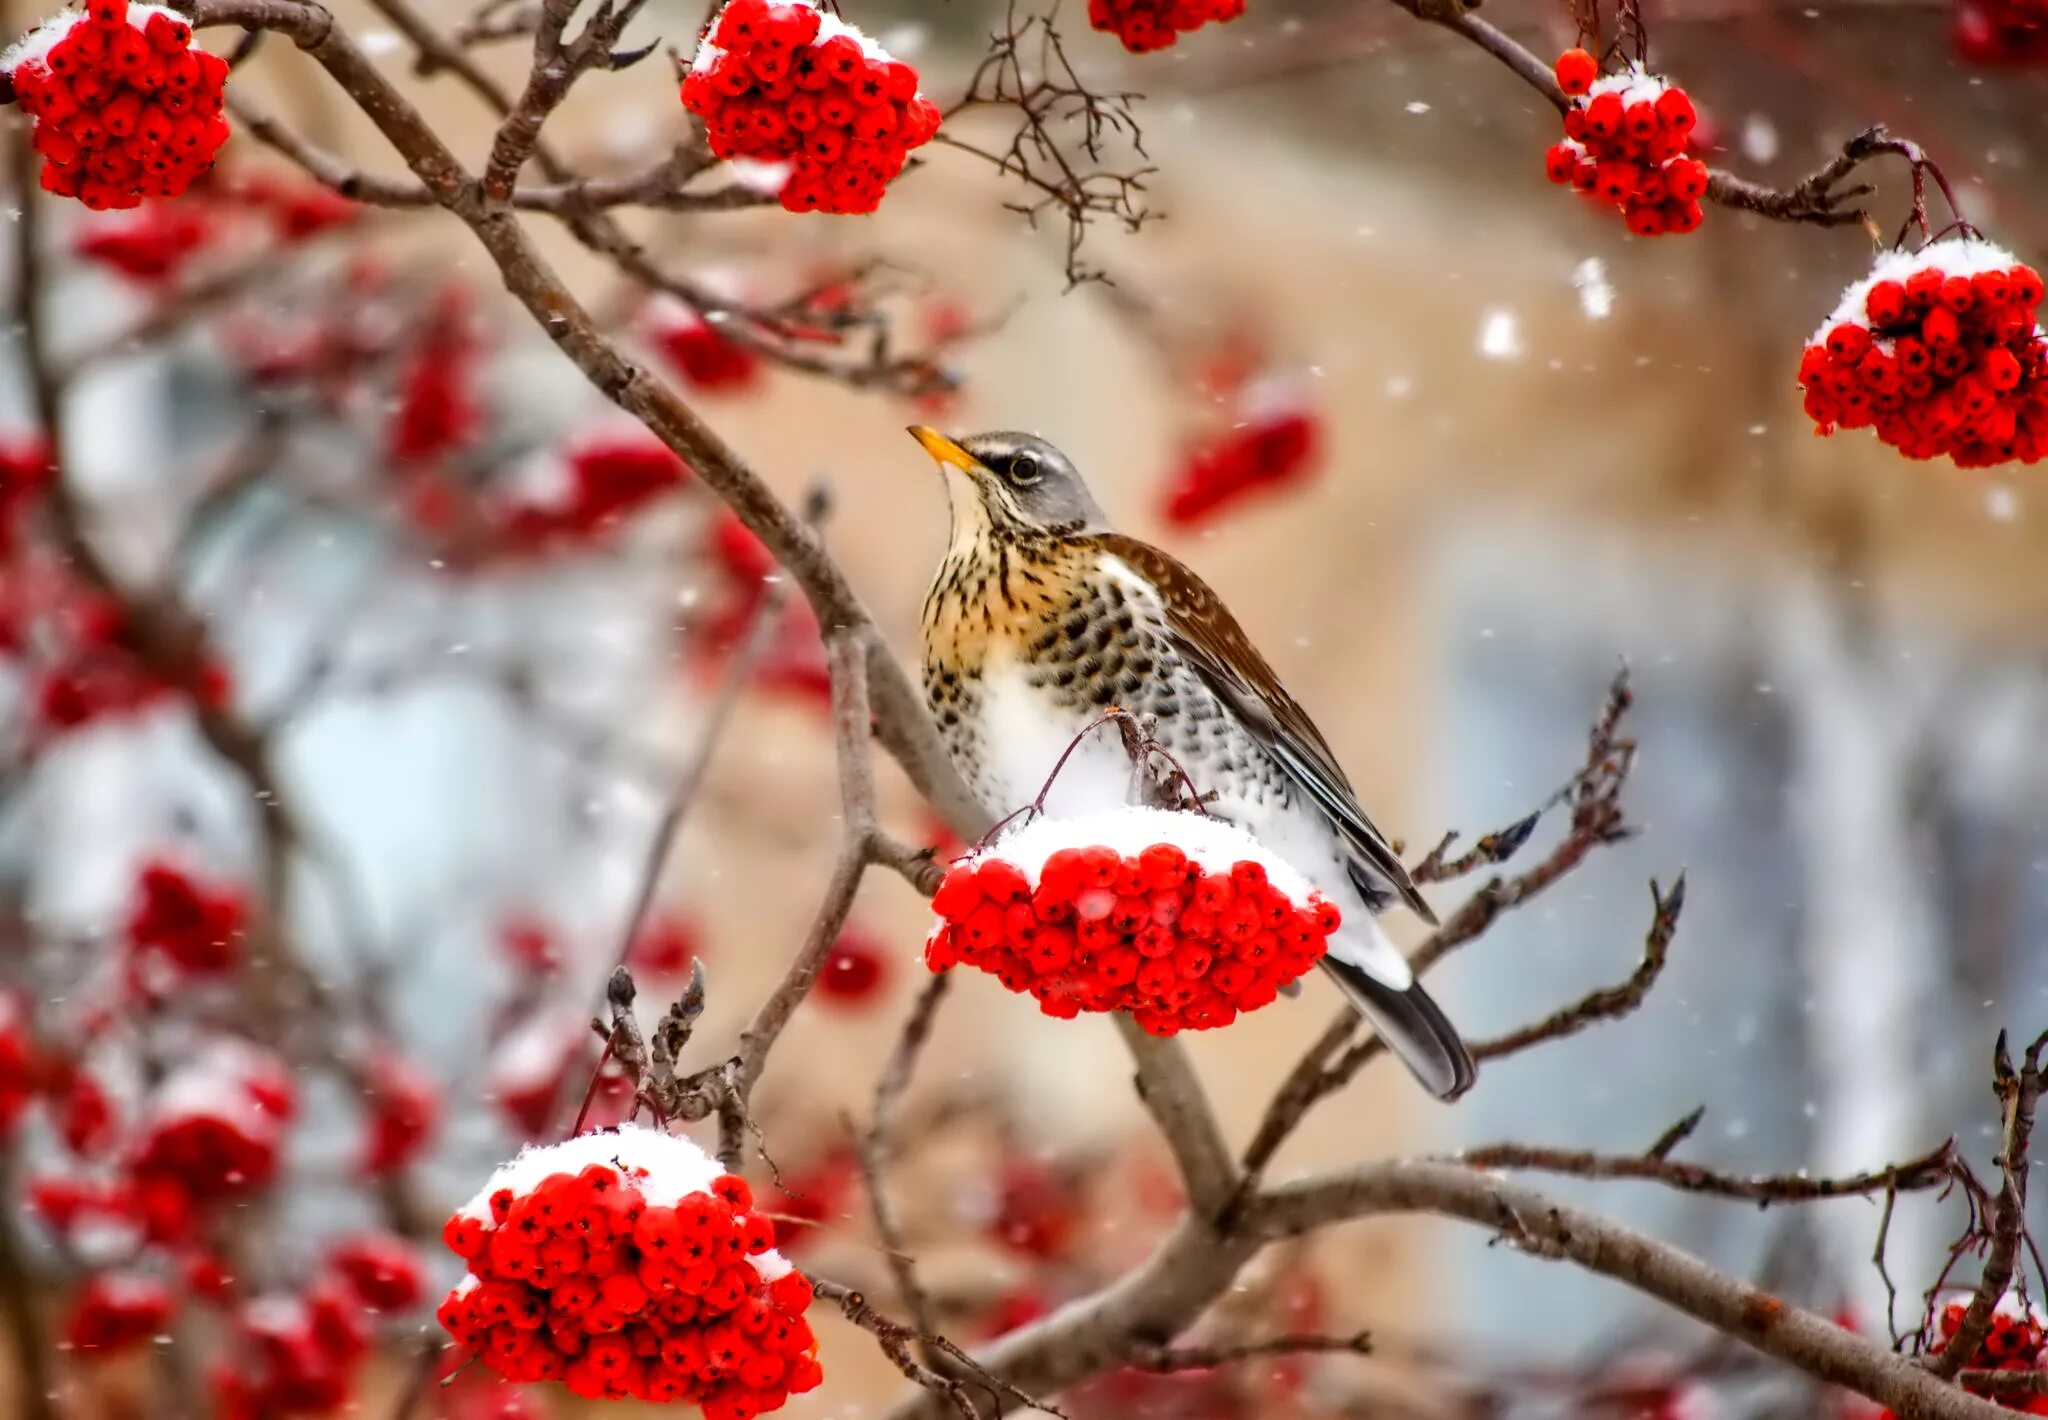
{"x": 1026, "y": 641}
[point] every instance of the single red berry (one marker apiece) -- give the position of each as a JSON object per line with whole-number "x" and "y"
{"x": 1576, "y": 71}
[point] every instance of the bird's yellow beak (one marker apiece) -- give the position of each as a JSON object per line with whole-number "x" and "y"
{"x": 944, "y": 449}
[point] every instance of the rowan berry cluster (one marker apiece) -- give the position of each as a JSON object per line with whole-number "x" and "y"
{"x": 124, "y": 106}
{"x": 624, "y": 1264}
{"x": 116, "y": 1311}
{"x": 611, "y": 476}
{"x": 293, "y": 1354}
{"x": 401, "y": 1107}
{"x": 787, "y": 83}
{"x": 1625, "y": 139}
{"x": 1275, "y": 444}
{"x": 2017, "y": 1341}
{"x": 194, "y": 927}
{"x": 1178, "y": 933}
{"x": 1939, "y": 352}
{"x": 1146, "y": 25}
{"x": 20, "y": 1069}
{"x": 213, "y": 1131}
{"x": 705, "y": 357}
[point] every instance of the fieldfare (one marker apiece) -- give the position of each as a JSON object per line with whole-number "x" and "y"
{"x": 1041, "y": 617}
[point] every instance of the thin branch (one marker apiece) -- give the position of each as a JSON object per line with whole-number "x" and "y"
{"x": 874, "y": 1156}
{"x": 1930, "y": 1170}
{"x": 1168, "y": 1359}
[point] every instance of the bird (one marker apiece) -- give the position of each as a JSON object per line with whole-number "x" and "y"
{"x": 1041, "y": 617}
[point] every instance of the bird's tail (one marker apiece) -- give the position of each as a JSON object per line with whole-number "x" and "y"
{"x": 1411, "y": 1023}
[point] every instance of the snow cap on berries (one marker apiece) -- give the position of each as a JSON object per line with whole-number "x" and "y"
{"x": 1625, "y": 146}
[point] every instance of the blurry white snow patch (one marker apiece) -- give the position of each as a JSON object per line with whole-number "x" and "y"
{"x": 906, "y": 41}
{"x": 1500, "y": 335}
{"x": 1399, "y": 387}
{"x": 1596, "y": 292}
{"x": 376, "y": 43}
{"x": 2001, "y": 503}
{"x": 1417, "y": 106}
{"x": 1759, "y": 139}
{"x": 757, "y": 175}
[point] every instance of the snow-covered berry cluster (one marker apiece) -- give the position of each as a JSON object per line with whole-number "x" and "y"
{"x": 2017, "y": 1341}
{"x": 787, "y": 83}
{"x": 1625, "y": 145}
{"x": 626, "y": 1264}
{"x": 1274, "y": 441}
{"x": 125, "y": 106}
{"x": 1146, "y": 25}
{"x": 1938, "y": 351}
{"x": 1178, "y": 918}
{"x": 214, "y": 1130}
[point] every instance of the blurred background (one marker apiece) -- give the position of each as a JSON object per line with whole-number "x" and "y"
{"x": 1479, "y": 449}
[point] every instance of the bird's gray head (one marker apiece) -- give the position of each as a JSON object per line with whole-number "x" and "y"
{"x": 1014, "y": 481}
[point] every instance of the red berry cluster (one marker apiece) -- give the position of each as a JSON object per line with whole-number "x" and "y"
{"x": 705, "y": 357}
{"x": 1146, "y": 25}
{"x": 26, "y": 472}
{"x": 785, "y": 83}
{"x": 20, "y": 1068}
{"x": 1272, "y": 448}
{"x": 402, "y": 1106}
{"x": 795, "y": 662}
{"x": 293, "y": 1355}
{"x": 611, "y": 476}
{"x": 115, "y": 1312}
{"x": 581, "y": 1278}
{"x": 1179, "y": 946}
{"x": 194, "y": 927}
{"x": 2017, "y": 1341}
{"x": 1624, "y": 146}
{"x": 214, "y": 1130}
{"x": 150, "y": 247}
{"x": 437, "y": 414}
{"x": 1938, "y": 351}
{"x": 124, "y": 106}
{"x": 88, "y": 670}
{"x": 383, "y": 1271}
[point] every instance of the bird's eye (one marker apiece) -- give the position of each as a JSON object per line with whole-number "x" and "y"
{"x": 1024, "y": 470}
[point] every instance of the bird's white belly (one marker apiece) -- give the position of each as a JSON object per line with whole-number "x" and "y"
{"x": 1024, "y": 733}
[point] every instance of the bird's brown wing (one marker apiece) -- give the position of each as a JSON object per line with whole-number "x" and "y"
{"x": 1210, "y": 640}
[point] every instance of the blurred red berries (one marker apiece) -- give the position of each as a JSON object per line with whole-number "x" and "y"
{"x": 194, "y": 927}
{"x": 702, "y": 355}
{"x": 116, "y": 1311}
{"x": 1276, "y": 444}
{"x": 855, "y": 969}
